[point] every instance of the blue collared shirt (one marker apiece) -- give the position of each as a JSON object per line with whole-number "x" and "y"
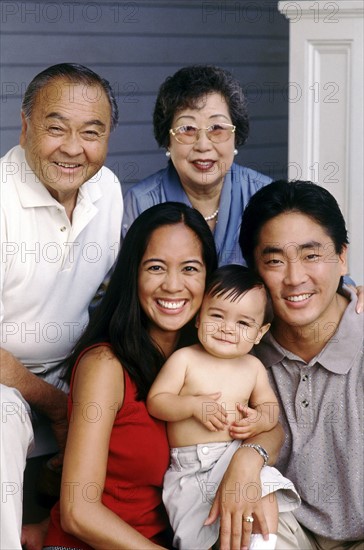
{"x": 239, "y": 185}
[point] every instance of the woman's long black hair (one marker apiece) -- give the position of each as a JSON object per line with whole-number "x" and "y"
{"x": 119, "y": 318}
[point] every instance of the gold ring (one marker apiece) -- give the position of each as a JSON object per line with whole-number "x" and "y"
{"x": 249, "y": 519}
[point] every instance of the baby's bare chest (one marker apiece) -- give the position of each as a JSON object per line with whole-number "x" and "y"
{"x": 234, "y": 384}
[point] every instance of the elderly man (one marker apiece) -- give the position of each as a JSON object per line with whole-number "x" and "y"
{"x": 60, "y": 233}
{"x": 294, "y": 235}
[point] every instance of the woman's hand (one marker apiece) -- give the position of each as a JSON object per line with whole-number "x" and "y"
{"x": 238, "y": 497}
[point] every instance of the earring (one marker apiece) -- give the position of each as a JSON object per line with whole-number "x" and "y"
{"x": 168, "y": 154}
{"x": 235, "y": 152}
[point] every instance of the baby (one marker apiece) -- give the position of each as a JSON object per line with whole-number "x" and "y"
{"x": 202, "y": 392}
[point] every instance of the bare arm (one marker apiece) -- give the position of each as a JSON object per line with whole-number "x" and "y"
{"x": 98, "y": 380}
{"x": 40, "y": 395}
{"x": 165, "y": 402}
{"x": 271, "y": 441}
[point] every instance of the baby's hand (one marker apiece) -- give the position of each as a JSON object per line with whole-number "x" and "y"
{"x": 249, "y": 425}
{"x": 210, "y": 413}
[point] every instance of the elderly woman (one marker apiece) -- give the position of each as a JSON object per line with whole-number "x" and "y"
{"x": 200, "y": 117}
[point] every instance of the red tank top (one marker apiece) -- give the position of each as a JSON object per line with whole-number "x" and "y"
{"x": 138, "y": 459}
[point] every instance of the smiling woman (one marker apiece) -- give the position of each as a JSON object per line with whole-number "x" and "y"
{"x": 155, "y": 291}
{"x": 200, "y": 117}
{"x": 172, "y": 277}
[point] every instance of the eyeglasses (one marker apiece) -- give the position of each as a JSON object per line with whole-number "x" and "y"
{"x": 217, "y": 133}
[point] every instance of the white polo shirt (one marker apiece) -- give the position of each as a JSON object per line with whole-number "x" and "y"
{"x": 50, "y": 268}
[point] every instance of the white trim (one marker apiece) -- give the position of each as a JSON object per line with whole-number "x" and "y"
{"x": 331, "y": 11}
{"x": 326, "y": 130}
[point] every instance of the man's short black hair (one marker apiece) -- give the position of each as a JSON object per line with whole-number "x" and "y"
{"x": 75, "y": 73}
{"x": 283, "y": 196}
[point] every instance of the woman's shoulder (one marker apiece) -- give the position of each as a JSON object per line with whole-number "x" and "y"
{"x": 95, "y": 360}
{"x": 148, "y": 184}
{"x": 98, "y": 353}
{"x": 250, "y": 176}
{"x": 98, "y": 372}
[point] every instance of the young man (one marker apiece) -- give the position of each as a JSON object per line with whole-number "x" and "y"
{"x": 294, "y": 235}
{"x": 61, "y": 212}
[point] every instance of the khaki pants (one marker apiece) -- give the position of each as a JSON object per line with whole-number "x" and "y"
{"x": 292, "y": 536}
{"x": 16, "y": 438}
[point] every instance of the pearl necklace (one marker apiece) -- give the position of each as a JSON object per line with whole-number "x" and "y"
{"x": 212, "y": 217}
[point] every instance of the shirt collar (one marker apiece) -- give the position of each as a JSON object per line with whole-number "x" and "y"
{"x": 174, "y": 192}
{"x": 338, "y": 354}
{"x": 172, "y": 186}
{"x": 32, "y": 193}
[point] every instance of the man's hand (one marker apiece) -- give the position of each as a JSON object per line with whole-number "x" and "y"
{"x": 59, "y": 425}
{"x": 360, "y": 293}
{"x": 41, "y": 396}
{"x": 33, "y": 535}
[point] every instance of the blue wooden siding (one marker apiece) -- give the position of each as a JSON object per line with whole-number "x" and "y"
{"x": 136, "y": 45}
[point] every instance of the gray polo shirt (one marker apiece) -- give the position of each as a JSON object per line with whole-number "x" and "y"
{"x": 322, "y": 414}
